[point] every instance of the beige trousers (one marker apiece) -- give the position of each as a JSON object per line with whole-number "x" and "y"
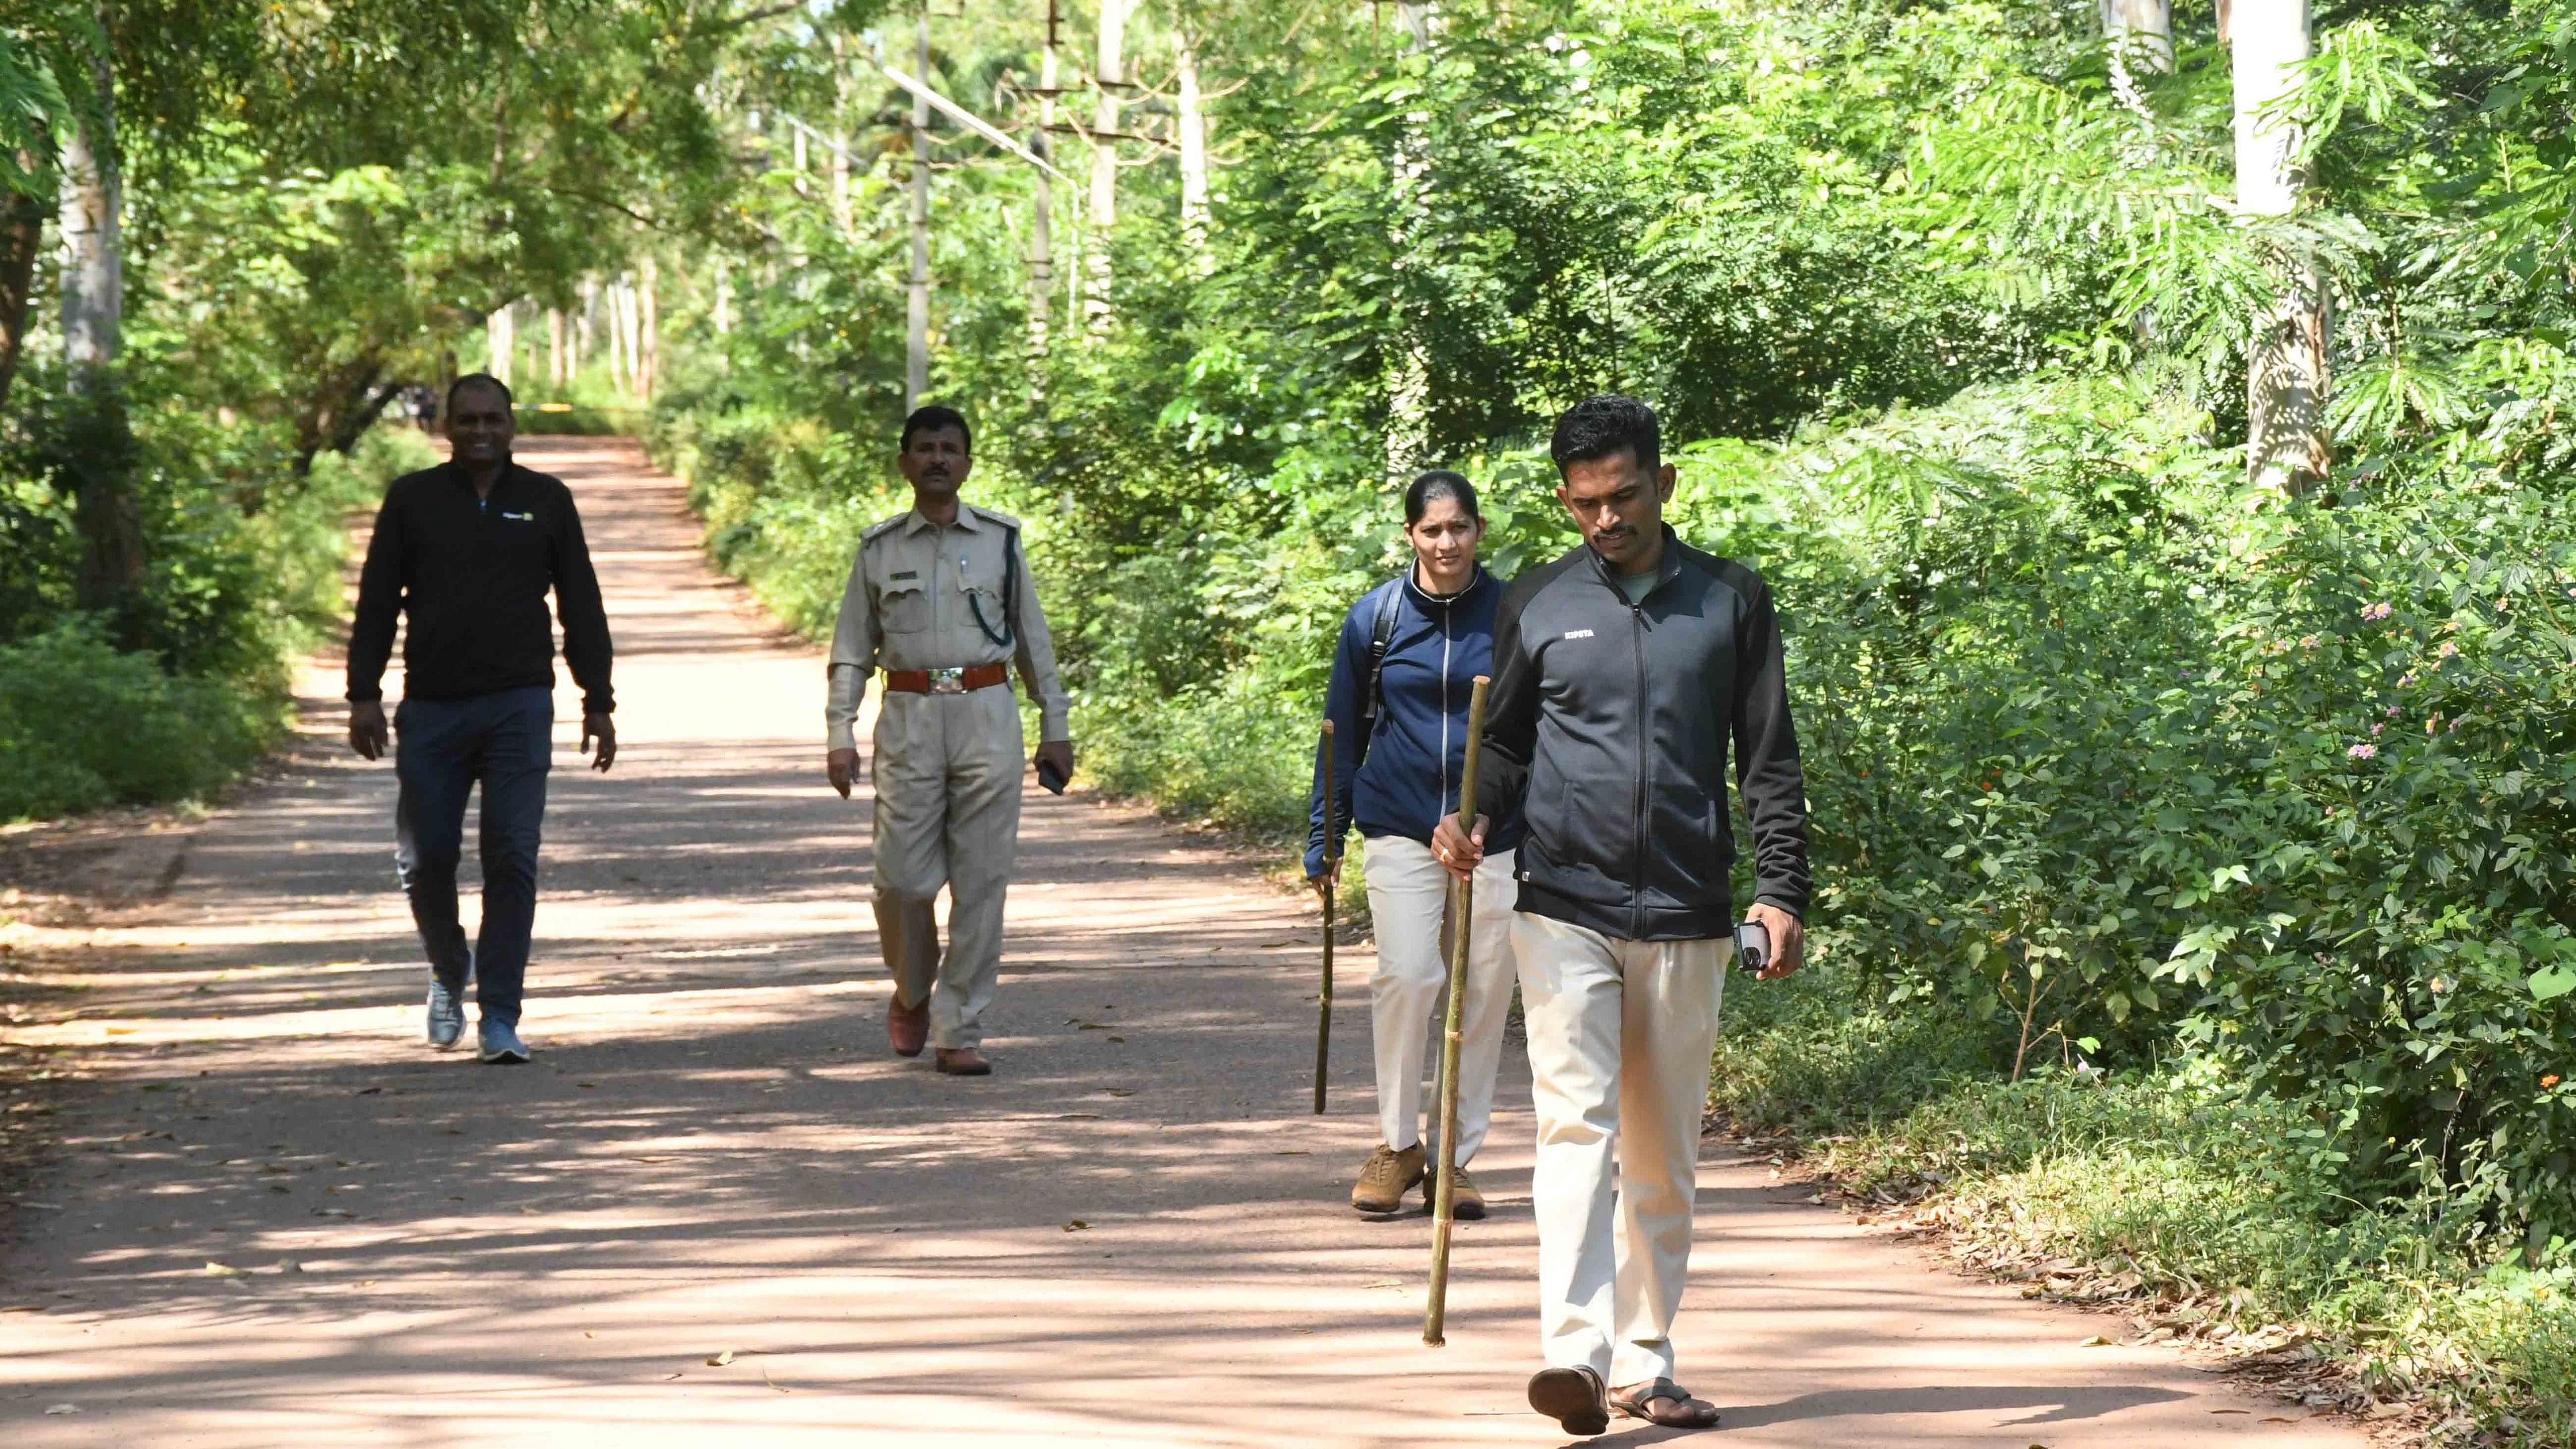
{"x": 1620, "y": 1034}
{"x": 1409, "y": 904}
{"x": 947, "y": 813}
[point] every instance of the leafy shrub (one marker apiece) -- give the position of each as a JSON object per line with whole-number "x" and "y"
{"x": 84, "y": 724}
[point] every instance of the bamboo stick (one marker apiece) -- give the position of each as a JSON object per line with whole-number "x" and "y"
{"x": 1444, "y": 1201}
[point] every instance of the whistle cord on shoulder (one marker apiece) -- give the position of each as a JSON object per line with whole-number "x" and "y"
{"x": 1010, "y": 632}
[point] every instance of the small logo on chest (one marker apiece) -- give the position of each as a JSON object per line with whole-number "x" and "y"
{"x": 1578, "y": 633}
{"x": 518, "y": 517}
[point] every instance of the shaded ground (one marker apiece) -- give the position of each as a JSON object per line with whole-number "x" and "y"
{"x": 276, "y": 1219}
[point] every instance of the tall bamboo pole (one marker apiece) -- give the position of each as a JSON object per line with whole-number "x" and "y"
{"x": 1444, "y": 1203}
{"x": 1332, "y": 858}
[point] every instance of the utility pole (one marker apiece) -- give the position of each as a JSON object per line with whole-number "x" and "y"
{"x": 916, "y": 331}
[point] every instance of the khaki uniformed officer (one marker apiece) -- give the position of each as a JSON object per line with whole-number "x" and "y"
{"x": 941, "y": 599}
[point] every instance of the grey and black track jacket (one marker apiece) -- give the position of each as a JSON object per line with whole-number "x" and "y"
{"x": 1607, "y": 726}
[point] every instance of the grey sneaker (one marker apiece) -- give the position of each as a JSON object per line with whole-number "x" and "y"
{"x": 501, "y": 1045}
{"x": 446, "y": 1015}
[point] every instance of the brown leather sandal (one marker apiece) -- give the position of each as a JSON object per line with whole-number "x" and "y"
{"x": 1663, "y": 1402}
{"x": 1574, "y": 1397}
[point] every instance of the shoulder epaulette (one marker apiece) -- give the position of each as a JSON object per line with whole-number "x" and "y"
{"x": 880, "y": 526}
{"x": 1004, "y": 519}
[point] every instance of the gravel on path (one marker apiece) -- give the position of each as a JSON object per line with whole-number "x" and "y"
{"x": 715, "y": 1210}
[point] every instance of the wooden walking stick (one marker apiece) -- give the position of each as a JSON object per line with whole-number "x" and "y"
{"x": 1332, "y": 858}
{"x": 1463, "y": 897}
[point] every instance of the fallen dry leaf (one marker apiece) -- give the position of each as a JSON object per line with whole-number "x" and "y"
{"x": 62, "y": 1408}
{"x": 222, "y": 1270}
{"x": 2096, "y": 1341}
{"x": 721, "y": 1359}
{"x": 1075, "y": 1225}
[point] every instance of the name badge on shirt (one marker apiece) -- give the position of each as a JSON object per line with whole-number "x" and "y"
{"x": 520, "y": 517}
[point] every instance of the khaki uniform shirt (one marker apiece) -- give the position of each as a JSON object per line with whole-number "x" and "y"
{"x": 913, "y": 602}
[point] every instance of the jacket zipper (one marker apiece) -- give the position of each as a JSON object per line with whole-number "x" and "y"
{"x": 1637, "y": 849}
{"x": 1444, "y": 719}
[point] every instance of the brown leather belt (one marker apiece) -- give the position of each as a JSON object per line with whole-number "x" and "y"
{"x": 947, "y": 681}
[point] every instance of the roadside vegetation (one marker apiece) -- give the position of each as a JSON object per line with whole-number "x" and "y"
{"x": 2192, "y": 828}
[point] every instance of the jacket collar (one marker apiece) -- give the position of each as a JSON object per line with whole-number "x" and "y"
{"x": 915, "y": 522}
{"x": 1670, "y": 564}
{"x": 455, "y": 471}
{"x": 1427, "y": 601}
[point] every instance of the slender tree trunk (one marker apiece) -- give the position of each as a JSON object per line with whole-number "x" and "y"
{"x": 581, "y": 324}
{"x": 842, "y": 216}
{"x": 555, "y": 377}
{"x": 501, "y": 339}
{"x": 916, "y": 311}
{"x": 1042, "y": 214}
{"x": 1111, "y": 74}
{"x": 22, "y": 232}
{"x": 93, "y": 303}
{"x": 1192, "y": 120}
{"x": 649, "y": 326}
{"x": 2285, "y": 375}
{"x": 1408, "y": 441}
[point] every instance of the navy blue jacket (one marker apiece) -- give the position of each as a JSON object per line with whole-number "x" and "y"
{"x": 1404, "y": 777}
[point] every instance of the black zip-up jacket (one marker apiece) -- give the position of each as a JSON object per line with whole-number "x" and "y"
{"x": 1608, "y": 724}
{"x": 473, "y": 575}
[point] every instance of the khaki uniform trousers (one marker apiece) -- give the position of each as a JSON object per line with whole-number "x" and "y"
{"x": 1409, "y": 899}
{"x": 1620, "y": 1034}
{"x": 947, "y": 813}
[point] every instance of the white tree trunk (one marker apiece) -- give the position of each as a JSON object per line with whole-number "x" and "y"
{"x": 842, "y": 216}
{"x": 581, "y": 323}
{"x": 1192, "y": 118}
{"x": 2285, "y": 375}
{"x": 93, "y": 267}
{"x": 650, "y": 324}
{"x": 1042, "y": 211}
{"x": 501, "y": 339}
{"x": 555, "y": 371}
{"x": 1111, "y": 73}
{"x": 916, "y": 310}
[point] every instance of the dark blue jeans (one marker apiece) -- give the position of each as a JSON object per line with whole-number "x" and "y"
{"x": 442, "y": 749}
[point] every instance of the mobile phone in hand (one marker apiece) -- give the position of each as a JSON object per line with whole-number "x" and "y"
{"x": 1752, "y": 947}
{"x": 1051, "y": 777}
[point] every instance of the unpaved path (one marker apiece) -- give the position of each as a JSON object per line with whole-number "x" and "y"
{"x": 1133, "y": 1234}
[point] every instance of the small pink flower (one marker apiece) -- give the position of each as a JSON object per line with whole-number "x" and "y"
{"x": 2392, "y": 711}
{"x": 2307, "y": 641}
{"x": 2432, "y": 724}
{"x": 2377, "y": 725}
{"x": 2373, "y": 613}
{"x": 2448, "y": 649}
{"x": 2363, "y": 752}
{"x": 2406, "y": 679}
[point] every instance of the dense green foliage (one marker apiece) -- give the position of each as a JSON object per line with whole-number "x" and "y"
{"x": 2259, "y": 803}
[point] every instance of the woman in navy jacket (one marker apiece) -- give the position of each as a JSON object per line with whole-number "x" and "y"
{"x": 1400, "y": 742}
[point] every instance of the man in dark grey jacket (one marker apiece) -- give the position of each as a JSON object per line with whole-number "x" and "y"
{"x": 1622, "y": 674}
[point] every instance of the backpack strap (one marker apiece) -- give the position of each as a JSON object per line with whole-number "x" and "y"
{"x": 1010, "y": 632}
{"x": 1381, "y": 637}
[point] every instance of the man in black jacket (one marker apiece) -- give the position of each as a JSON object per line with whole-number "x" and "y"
{"x": 1623, "y": 671}
{"x": 469, "y": 550}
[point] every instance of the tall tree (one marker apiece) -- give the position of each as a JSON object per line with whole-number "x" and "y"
{"x": 916, "y": 310}
{"x": 2285, "y": 374}
{"x": 1111, "y": 77}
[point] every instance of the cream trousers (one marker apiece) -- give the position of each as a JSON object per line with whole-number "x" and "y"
{"x": 1620, "y": 1034}
{"x": 1408, "y": 897}
{"x": 947, "y": 813}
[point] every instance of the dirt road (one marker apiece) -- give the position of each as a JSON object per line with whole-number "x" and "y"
{"x": 277, "y": 1219}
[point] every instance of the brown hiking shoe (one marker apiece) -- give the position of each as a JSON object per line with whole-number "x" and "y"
{"x": 907, "y": 1027}
{"x": 1386, "y": 1178}
{"x": 1465, "y": 1203}
{"x": 962, "y": 1062}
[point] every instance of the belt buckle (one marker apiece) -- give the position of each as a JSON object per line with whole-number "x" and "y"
{"x": 947, "y": 681}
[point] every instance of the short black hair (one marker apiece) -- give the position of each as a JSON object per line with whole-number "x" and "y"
{"x": 1429, "y": 488}
{"x": 1600, "y": 426}
{"x": 478, "y": 379}
{"x": 930, "y": 419}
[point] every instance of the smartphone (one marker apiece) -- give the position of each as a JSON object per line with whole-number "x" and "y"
{"x": 1752, "y": 947}
{"x": 1051, "y": 777}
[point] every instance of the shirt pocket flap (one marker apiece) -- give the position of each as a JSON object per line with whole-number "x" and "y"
{"x": 904, "y": 604}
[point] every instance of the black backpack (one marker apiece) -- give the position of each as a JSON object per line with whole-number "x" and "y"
{"x": 1381, "y": 637}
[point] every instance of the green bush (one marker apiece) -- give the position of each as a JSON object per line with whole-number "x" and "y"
{"x": 84, "y": 724}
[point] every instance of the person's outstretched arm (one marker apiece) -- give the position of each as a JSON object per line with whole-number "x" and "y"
{"x": 856, "y": 638}
{"x": 586, "y": 646}
{"x": 1034, "y": 653}
{"x": 371, "y": 633}
{"x": 1770, "y": 779}
{"x": 1343, "y": 697}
